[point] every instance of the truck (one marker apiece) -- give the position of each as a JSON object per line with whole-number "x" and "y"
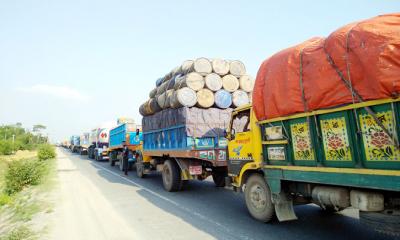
{"x": 322, "y": 132}
{"x": 128, "y": 134}
{"x": 82, "y": 149}
{"x": 98, "y": 139}
{"x": 74, "y": 143}
{"x": 181, "y": 145}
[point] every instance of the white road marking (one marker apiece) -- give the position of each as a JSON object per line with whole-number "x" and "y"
{"x": 199, "y": 215}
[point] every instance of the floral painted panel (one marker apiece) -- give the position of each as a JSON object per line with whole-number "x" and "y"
{"x": 301, "y": 141}
{"x": 377, "y": 144}
{"x": 335, "y": 138}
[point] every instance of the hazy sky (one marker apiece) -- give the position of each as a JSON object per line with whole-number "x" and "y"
{"x": 72, "y": 65}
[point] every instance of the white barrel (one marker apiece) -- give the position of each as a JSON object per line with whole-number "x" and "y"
{"x": 230, "y": 83}
{"x": 205, "y": 98}
{"x": 202, "y": 66}
{"x": 166, "y": 86}
{"x": 154, "y": 105}
{"x": 186, "y": 66}
{"x": 240, "y": 98}
{"x": 183, "y": 97}
{"x": 246, "y": 83}
{"x": 213, "y": 82}
{"x": 220, "y": 66}
{"x": 237, "y": 68}
{"x": 168, "y": 95}
{"x": 159, "y": 81}
{"x": 223, "y": 99}
{"x": 193, "y": 80}
{"x": 162, "y": 100}
{"x": 153, "y": 93}
{"x": 149, "y": 107}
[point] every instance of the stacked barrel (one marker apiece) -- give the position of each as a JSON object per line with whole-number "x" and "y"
{"x": 203, "y": 83}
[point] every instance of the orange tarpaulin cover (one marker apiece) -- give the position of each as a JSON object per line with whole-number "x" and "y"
{"x": 362, "y": 58}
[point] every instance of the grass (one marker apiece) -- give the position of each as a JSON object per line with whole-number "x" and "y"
{"x": 19, "y": 211}
{"x": 22, "y": 232}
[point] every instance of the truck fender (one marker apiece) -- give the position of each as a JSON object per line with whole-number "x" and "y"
{"x": 185, "y": 175}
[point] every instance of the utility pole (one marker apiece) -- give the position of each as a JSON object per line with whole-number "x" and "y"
{"x": 13, "y": 141}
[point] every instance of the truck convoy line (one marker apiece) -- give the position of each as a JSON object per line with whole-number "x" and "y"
{"x": 334, "y": 143}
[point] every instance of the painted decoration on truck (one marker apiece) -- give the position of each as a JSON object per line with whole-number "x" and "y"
{"x": 301, "y": 141}
{"x": 377, "y": 144}
{"x": 335, "y": 139}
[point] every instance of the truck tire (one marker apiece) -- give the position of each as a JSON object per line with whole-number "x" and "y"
{"x": 171, "y": 176}
{"x": 218, "y": 176}
{"x": 381, "y": 222}
{"x": 219, "y": 179}
{"x": 258, "y": 198}
{"x": 139, "y": 165}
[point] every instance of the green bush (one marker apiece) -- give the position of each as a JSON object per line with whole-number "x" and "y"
{"x": 5, "y": 147}
{"x": 46, "y": 151}
{"x": 22, "y": 173}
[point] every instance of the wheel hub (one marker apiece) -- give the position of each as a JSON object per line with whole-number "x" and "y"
{"x": 258, "y": 197}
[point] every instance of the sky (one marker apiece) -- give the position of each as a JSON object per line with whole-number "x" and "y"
{"x": 74, "y": 65}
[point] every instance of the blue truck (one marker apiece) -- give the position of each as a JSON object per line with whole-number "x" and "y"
{"x": 184, "y": 144}
{"x": 131, "y": 135}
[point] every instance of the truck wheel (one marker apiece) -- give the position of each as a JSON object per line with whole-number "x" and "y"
{"x": 258, "y": 198}
{"x": 382, "y": 222}
{"x": 218, "y": 176}
{"x": 139, "y": 165}
{"x": 171, "y": 176}
{"x": 219, "y": 179}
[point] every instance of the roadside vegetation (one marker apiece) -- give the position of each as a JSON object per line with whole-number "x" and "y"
{"x": 26, "y": 178}
{"x": 15, "y": 137}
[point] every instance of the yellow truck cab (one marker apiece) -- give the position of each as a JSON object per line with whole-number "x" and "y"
{"x": 244, "y": 146}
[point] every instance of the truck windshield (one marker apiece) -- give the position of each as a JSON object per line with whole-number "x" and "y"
{"x": 241, "y": 121}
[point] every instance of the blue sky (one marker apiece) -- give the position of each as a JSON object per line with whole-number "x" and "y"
{"x": 72, "y": 65}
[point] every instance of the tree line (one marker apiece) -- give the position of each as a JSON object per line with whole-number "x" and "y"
{"x": 14, "y": 137}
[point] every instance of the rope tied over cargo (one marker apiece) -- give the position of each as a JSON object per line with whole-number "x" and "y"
{"x": 347, "y": 82}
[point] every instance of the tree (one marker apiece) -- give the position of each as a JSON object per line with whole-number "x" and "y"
{"x": 37, "y": 129}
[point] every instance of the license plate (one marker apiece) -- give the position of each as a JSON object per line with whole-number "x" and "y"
{"x": 195, "y": 170}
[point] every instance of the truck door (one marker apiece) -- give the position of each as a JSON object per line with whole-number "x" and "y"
{"x": 240, "y": 146}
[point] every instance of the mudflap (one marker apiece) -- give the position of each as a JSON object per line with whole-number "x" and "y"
{"x": 283, "y": 207}
{"x": 283, "y": 203}
{"x": 185, "y": 175}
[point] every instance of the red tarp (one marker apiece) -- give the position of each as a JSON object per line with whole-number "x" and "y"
{"x": 301, "y": 78}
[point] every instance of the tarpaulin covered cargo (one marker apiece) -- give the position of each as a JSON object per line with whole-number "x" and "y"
{"x": 358, "y": 62}
{"x": 198, "y": 122}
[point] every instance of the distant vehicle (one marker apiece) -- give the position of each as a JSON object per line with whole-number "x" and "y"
{"x": 74, "y": 143}
{"x": 129, "y": 133}
{"x": 98, "y": 140}
{"x": 82, "y": 149}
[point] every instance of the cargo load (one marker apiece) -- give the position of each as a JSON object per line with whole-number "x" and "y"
{"x": 196, "y": 122}
{"x": 203, "y": 83}
{"x": 355, "y": 63}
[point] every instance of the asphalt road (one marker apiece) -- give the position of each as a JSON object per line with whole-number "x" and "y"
{"x": 141, "y": 209}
